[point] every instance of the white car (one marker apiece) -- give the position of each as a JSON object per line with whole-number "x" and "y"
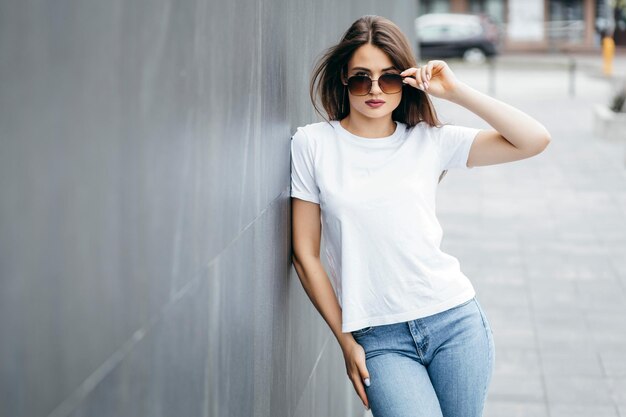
{"x": 445, "y": 35}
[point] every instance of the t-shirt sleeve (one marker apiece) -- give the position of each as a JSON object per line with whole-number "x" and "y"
{"x": 303, "y": 185}
{"x": 453, "y": 143}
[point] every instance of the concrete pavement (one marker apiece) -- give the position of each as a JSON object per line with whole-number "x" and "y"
{"x": 544, "y": 242}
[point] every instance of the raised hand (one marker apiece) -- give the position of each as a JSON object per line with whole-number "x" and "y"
{"x": 435, "y": 78}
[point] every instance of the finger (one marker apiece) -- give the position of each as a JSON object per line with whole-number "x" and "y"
{"x": 426, "y": 76}
{"x": 408, "y": 71}
{"x": 410, "y": 81}
{"x": 436, "y": 63}
{"x": 420, "y": 79}
{"x": 365, "y": 378}
{"x": 365, "y": 375}
{"x": 413, "y": 83}
{"x": 360, "y": 390}
{"x": 429, "y": 71}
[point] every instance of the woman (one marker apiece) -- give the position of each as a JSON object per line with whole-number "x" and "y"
{"x": 414, "y": 337}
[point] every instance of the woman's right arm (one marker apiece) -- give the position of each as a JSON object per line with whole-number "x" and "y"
{"x": 306, "y": 236}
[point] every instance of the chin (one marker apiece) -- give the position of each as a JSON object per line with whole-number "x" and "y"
{"x": 377, "y": 113}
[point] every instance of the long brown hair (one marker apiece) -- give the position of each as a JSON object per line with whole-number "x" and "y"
{"x": 415, "y": 105}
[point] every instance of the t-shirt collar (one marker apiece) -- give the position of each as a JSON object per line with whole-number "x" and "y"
{"x": 370, "y": 142}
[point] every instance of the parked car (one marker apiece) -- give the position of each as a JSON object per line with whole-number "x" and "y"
{"x": 449, "y": 35}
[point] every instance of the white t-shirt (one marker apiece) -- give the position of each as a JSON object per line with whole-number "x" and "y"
{"x": 380, "y": 232}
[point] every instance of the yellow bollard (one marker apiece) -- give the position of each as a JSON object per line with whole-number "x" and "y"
{"x": 608, "y": 51}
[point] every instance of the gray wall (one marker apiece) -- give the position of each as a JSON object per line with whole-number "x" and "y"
{"x": 145, "y": 214}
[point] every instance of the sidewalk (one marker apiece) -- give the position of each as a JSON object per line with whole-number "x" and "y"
{"x": 544, "y": 242}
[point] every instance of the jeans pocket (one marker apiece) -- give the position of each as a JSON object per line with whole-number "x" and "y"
{"x": 361, "y": 332}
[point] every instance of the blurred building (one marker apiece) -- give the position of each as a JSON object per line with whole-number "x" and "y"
{"x": 544, "y": 25}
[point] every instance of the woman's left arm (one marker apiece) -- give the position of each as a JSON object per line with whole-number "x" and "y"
{"x": 516, "y": 136}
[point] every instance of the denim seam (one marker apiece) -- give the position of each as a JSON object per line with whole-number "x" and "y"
{"x": 422, "y": 329}
{"x": 482, "y": 318}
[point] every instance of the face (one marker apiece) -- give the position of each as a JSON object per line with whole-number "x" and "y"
{"x": 372, "y": 61}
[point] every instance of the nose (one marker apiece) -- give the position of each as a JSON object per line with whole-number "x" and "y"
{"x": 375, "y": 88}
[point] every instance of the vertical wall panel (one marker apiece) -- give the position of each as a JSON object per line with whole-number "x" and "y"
{"x": 144, "y": 208}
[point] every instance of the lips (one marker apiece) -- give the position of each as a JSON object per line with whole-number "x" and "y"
{"x": 375, "y": 104}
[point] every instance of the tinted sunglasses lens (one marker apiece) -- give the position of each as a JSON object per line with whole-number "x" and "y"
{"x": 390, "y": 83}
{"x": 359, "y": 85}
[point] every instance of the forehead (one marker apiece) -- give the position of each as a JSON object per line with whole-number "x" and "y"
{"x": 370, "y": 57}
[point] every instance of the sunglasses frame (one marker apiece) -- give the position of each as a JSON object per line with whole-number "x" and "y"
{"x": 347, "y": 83}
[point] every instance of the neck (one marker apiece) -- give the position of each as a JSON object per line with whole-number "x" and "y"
{"x": 368, "y": 127}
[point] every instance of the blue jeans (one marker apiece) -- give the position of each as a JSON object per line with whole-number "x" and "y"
{"x": 435, "y": 366}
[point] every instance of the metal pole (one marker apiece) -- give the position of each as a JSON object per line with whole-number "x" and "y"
{"x": 572, "y": 77}
{"x": 491, "y": 74}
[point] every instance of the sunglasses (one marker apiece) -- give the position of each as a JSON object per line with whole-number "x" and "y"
{"x": 360, "y": 85}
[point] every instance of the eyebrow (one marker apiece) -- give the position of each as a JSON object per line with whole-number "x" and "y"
{"x": 366, "y": 69}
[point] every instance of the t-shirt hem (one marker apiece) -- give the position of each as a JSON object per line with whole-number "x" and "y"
{"x": 467, "y": 146}
{"x": 411, "y": 315}
{"x": 305, "y": 196}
